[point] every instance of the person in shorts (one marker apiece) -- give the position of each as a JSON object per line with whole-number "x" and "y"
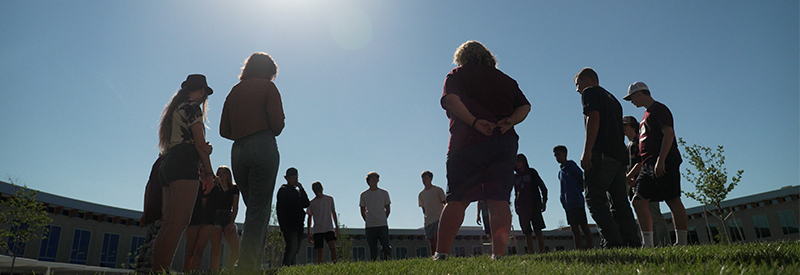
{"x": 483, "y": 105}
{"x": 431, "y": 199}
{"x": 659, "y": 177}
{"x": 530, "y": 201}
{"x": 322, "y": 216}
{"x": 375, "y": 209}
{"x": 571, "y": 178}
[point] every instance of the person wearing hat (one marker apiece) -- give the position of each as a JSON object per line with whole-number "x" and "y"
{"x": 659, "y": 176}
{"x": 630, "y": 127}
{"x": 182, "y": 143}
{"x": 292, "y": 198}
{"x": 603, "y": 161}
{"x": 252, "y": 117}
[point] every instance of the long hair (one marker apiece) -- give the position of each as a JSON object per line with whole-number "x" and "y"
{"x": 524, "y": 160}
{"x": 259, "y": 65}
{"x": 165, "y": 127}
{"x": 224, "y": 170}
{"x": 473, "y": 52}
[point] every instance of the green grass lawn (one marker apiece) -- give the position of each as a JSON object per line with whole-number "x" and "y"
{"x": 753, "y": 258}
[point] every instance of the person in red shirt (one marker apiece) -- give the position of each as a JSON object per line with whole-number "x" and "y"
{"x": 659, "y": 176}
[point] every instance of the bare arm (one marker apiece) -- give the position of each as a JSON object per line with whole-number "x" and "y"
{"x": 310, "y": 237}
{"x": 235, "y": 209}
{"x": 592, "y": 127}
{"x": 666, "y": 144}
{"x": 388, "y": 210}
{"x": 200, "y": 144}
{"x": 335, "y": 223}
{"x": 457, "y": 107}
{"x": 633, "y": 173}
{"x": 364, "y": 213}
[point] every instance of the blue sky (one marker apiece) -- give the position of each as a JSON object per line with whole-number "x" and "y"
{"x": 84, "y": 83}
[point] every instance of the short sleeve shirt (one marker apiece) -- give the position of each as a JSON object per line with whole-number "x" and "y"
{"x": 487, "y": 93}
{"x": 527, "y": 192}
{"x": 432, "y": 200}
{"x": 321, "y": 209}
{"x": 650, "y": 134}
{"x": 183, "y": 117}
{"x": 375, "y": 201}
{"x": 610, "y": 136}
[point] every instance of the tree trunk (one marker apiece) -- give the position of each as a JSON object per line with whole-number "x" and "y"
{"x": 708, "y": 226}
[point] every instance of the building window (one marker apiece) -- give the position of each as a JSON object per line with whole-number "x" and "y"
{"x": 400, "y": 252}
{"x": 714, "y": 231}
{"x": 460, "y": 251}
{"x": 14, "y": 247}
{"x": 788, "y": 222}
{"x": 81, "y": 215}
{"x": 136, "y": 247}
{"x": 422, "y": 251}
{"x": 477, "y": 250}
{"x": 761, "y": 226}
{"x": 787, "y": 198}
{"x": 735, "y": 229}
{"x": 359, "y": 253}
{"x": 65, "y": 212}
{"x": 110, "y": 220}
{"x": 108, "y": 255}
{"x": 761, "y": 203}
{"x": 773, "y": 201}
{"x": 49, "y": 247}
{"x": 748, "y": 206}
{"x": 311, "y": 255}
{"x": 80, "y": 247}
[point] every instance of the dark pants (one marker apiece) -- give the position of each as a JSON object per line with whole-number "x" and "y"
{"x": 606, "y": 198}
{"x": 293, "y": 240}
{"x": 373, "y": 235}
{"x": 254, "y": 160}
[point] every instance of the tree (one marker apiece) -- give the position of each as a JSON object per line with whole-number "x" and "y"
{"x": 26, "y": 217}
{"x": 710, "y": 178}
{"x": 274, "y": 245}
{"x": 344, "y": 243}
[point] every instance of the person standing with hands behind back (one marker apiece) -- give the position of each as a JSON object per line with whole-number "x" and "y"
{"x": 182, "y": 141}
{"x": 483, "y": 105}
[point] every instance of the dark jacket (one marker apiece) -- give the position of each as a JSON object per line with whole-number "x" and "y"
{"x": 291, "y": 202}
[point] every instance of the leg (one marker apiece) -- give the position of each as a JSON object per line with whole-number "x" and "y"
{"x": 232, "y": 238}
{"x": 319, "y": 255}
{"x": 255, "y": 167}
{"x": 540, "y": 239}
{"x": 372, "y": 242}
{"x": 200, "y": 247}
{"x": 216, "y": 247}
{"x": 191, "y": 240}
{"x": 587, "y": 233}
{"x": 500, "y": 215}
{"x": 383, "y": 237}
{"x": 452, "y": 217}
{"x": 620, "y": 207}
{"x": 643, "y": 212}
{"x": 529, "y": 242}
{"x": 433, "y": 241}
{"x": 332, "y": 247}
{"x": 597, "y": 183}
{"x": 576, "y": 236}
{"x": 290, "y": 252}
{"x": 680, "y": 219}
{"x": 179, "y": 202}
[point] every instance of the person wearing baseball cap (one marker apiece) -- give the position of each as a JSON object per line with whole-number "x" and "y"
{"x": 292, "y": 198}
{"x": 659, "y": 176}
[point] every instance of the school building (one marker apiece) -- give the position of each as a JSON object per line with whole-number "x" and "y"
{"x": 90, "y": 238}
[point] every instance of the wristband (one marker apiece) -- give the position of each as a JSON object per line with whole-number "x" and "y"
{"x": 474, "y": 121}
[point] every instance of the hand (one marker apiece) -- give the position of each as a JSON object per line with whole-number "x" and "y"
{"x": 230, "y": 228}
{"x": 208, "y": 148}
{"x": 544, "y": 205}
{"x": 586, "y": 160}
{"x": 336, "y": 232}
{"x": 310, "y": 238}
{"x": 661, "y": 168}
{"x": 631, "y": 181}
{"x": 484, "y": 127}
{"x": 208, "y": 183}
{"x": 505, "y": 125}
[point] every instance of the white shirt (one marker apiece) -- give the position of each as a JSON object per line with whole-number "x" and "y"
{"x": 432, "y": 201}
{"x": 375, "y": 201}
{"x": 321, "y": 208}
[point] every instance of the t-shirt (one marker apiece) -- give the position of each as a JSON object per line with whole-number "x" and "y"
{"x": 487, "y": 93}
{"x": 571, "y": 178}
{"x": 633, "y": 151}
{"x": 432, "y": 200}
{"x": 650, "y": 134}
{"x": 219, "y": 199}
{"x": 291, "y": 201}
{"x": 375, "y": 202}
{"x": 527, "y": 186}
{"x": 321, "y": 209}
{"x": 183, "y": 117}
{"x": 610, "y": 136}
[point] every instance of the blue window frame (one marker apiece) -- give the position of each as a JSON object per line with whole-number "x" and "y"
{"x": 108, "y": 255}
{"x": 761, "y": 226}
{"x": 49, "y": 247}
{"x": 80, "y": 246}
{"x": 136, "y": 248}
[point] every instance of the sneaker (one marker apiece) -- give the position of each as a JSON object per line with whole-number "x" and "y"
{"x": 439, "y": 256}
{"x": 496, "y": 257}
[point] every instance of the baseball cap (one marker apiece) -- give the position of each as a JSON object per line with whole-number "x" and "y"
{"x": 635, "y": 87}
